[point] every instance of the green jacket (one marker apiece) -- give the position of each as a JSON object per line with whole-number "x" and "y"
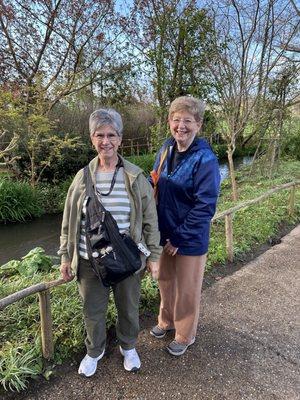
{"x": 143, "y": 216}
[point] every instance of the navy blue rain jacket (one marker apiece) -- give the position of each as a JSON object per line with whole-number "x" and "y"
{"x": 187, "y": 197}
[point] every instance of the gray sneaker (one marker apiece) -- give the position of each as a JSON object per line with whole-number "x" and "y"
{"x": 177, "y": 349}
{"x": 158, "y": 332}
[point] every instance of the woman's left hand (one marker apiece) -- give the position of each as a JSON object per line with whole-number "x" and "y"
{"x": 153, "y": 268}
{"x": 66, "y": 271}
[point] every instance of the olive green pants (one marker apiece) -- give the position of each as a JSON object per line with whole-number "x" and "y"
{"x": 95, "y": 298}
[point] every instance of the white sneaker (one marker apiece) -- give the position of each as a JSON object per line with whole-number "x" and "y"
{"x": 132, "y": 360}
{"x": 88, "y": 365}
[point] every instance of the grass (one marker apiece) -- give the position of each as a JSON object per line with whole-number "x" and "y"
{"x": 259, "y": 222}
{"x": 20, "y": 355}
{"x": 18, "y": 201}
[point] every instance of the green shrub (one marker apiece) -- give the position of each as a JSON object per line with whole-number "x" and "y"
{"x": 291, "y": 144}
{"x": 221, "y": 151}
{"x": 145, "y": 162}
{"x": 52, "y": 197}
{"x": 35, "y": 261}
{"x": 18, "y": 201}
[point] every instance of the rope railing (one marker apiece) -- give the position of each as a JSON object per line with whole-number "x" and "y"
{"x": 43, "y": 288}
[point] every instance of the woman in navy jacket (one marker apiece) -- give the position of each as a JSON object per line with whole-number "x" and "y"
{"x": 186, "y": 177}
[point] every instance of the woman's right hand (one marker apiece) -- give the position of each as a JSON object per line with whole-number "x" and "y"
{"x": 66, "y": 271}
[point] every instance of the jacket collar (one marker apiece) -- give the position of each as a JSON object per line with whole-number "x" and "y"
{"x": 130, "y": 169}
{"x": 197, "y": 144}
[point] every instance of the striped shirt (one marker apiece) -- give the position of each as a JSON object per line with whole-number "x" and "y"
{"x": 117, "y": 202}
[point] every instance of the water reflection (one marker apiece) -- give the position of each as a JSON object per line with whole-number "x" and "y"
{"x": 16, "y": 240}
{"x": 238, "y": 162}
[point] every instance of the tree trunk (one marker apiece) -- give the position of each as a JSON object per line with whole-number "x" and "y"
{"x": 232, "y": 173}
{"x": 32, "y": 161}
{"x": 255, "y": 157}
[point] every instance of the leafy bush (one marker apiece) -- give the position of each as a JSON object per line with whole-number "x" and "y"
{"x": 145, "y": 162}
{"x": 221, "y": 151}
{"x": 35, "y": 261}
{"x": 18, "y": 201}
{"x": 52, "y": 197}
{"x": 291, "y": 141}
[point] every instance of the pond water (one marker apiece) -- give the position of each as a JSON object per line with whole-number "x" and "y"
{"x": 238, "y": 162}
{"x": 18, "y": 239}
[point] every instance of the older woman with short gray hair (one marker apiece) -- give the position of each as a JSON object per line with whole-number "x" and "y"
{"x": 125, "y": 192}
{"x": 106, "y": 116}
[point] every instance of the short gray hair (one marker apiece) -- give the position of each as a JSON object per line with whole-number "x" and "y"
{"x": 105, "y": 116}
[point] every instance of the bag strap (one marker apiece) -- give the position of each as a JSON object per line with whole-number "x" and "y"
{"x": 105, "y": 216}
{"x": 97, "y": 207}
{"x": 162, "y": 159}
{"x": 156, "y": 174}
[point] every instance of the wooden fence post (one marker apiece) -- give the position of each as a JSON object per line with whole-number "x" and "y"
{"x": 229, "y": 236}
{"x": 292, "y": 200}
{"x": 46, "y": 324}
{"x": 149, "y": 144}
{"x": 131, "y": 148}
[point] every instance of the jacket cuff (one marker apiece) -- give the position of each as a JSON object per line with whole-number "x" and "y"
{"x": 154, "y": 256}
{"x": 65, "y": 258}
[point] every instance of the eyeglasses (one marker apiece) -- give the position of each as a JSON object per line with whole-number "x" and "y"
{"x": 112, "y": 137}
{"x": 186, "y": 122}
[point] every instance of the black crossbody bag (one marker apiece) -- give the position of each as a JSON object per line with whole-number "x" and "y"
{"x": 113, "y": 256}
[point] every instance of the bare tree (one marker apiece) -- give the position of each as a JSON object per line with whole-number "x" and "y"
{"x": 245, "y": 62}
{"x": 50, "y": 50}
{"x": 57, "y": 47}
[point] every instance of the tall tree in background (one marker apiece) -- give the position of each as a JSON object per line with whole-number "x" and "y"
{"x": 246, "y": 59}
{"x": 56, "y": 47}
{"x": 48, "y": 51}
{"x": 9, "y": 126}
{"x": 172, "y": 39}
{"x": 283, "y": 88}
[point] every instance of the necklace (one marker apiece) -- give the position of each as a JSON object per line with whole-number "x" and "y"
{"x": 113, "y": 181}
